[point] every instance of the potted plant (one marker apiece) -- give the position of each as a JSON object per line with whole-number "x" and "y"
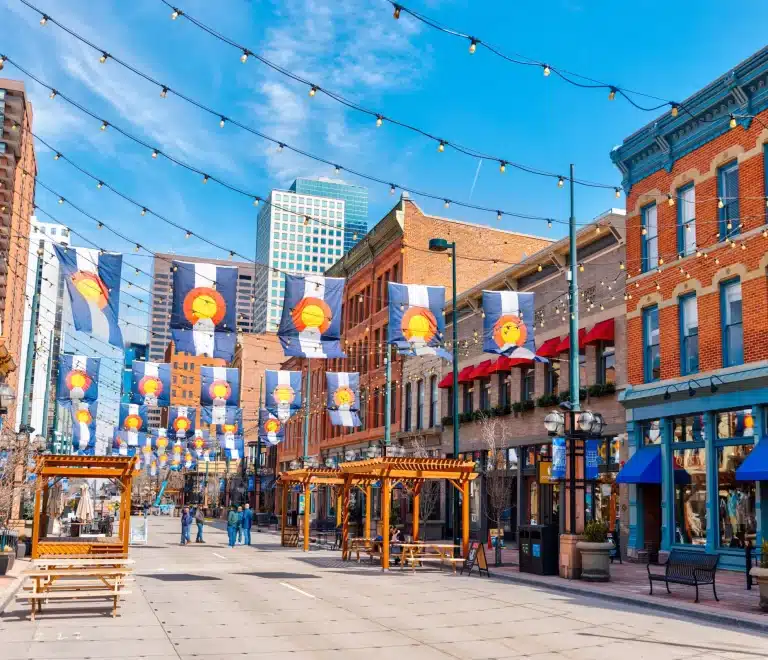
{"x": 23, "y": 547}
{"x": 6, "y": 559}
{"x": 595, "y": 552}
{"x": 760, "y": 573}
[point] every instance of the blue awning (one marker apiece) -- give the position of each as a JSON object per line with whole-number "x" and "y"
{"x": 643, "y": 468}
{"x": 755, "y": 465}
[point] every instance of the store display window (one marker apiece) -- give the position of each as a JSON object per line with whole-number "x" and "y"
{"x": 735, "y": 499}
{"x": 690, "y": 479}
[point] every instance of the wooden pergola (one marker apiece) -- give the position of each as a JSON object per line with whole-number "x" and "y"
{"x": 118, "y": 469}
{"x": 411, "y": 472}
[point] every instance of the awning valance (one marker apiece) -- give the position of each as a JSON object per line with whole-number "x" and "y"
{"x": 644, "y": 467}
{"x": 505, "y": 363}
{"x": 447, "y": 381}
{"x": 480, "y": 370}
{"x": 465, "y": 375}
{"x": 549, "y": 348}
{"x": 603, "y": 331}
{"x": 565, "y": 345}
{"x": 755, "y": 465}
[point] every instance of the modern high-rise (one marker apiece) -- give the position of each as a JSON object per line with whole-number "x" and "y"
{"x": 355, "y": 204}
{"x": 18, "y": 167}
{"x": 44, "y": 290}
{"x": 296, "y": 233}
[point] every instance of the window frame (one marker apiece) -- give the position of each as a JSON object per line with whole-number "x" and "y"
{"x": 647, "y": 366}
{"x": 684, "y": 361}
{"x": 725, "y": 328}
{"x": 725, "y": 213}
{"x": 550, "y": 372}
{"x": 645, "y": 239}
{"x": 433, "y": 394}
{"x": 601, "y": 361}
{"x": 420, "y": 404}
{"x": 408, "y": 407}
{"x": 527, "y": 389}
{"x": 681, "y": 224}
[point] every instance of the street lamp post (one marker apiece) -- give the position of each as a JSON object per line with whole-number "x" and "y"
{"x": 441, "y": 245}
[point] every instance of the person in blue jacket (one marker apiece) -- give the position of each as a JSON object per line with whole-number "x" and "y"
{"x": 186, "y": 523}
{"x": 232, "y": 526}
{"x": 247, "y": 524}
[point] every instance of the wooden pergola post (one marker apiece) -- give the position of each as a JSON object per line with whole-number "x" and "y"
{"x": 368, "y": 491}
{"x": 36, "y": 518}
{"x": 385, "y": 497}
{"x": 338, "y": 508}
{"x": 307, "y": 502}
{"x": 283, "y": 510}
{"x": 416, "y": 511}
{"x": 343, "y": 500}
{"x": 465, "y": 519}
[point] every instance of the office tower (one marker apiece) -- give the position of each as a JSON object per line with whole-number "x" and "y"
{"x": 288, "y": 242}
{"x": 355, "y": 204}
{"x": 131, "y": 353}
{"x": 44, "y": 288}
{"x": 17, "y": 194}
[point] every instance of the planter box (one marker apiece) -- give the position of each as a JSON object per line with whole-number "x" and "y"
{"x": 595, "y": 561}
{"x": 6, "y": 562}
{"x": 761, "y": 575}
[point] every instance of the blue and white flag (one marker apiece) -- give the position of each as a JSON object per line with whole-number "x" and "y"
{"x": 93, "y": 283}
{"x": 151, "y": 383}
{"x": 199, "y": 443}
{"x": 181, "y": 422}
{"x": 229, "y": 423}
{"x": 177, "y": 454}
{"x": 204, "y": 314}
{"x": 508, "y": 326}
{"x": 311, "y": 323}
{"x": 133, "y": 422}
{"x": 271, "y": 429}
{"x": 283, "y": 397}
{"x": 83, "y": 427}
{"x": 188, "y": 460}
{"x": 219, "y": 387}
{"x": 416, "y": 319}
{"x": 343, "y": 398}
{"x": 236, "y": 451}
{"x": 78, "y": 379}
{"x": 160, "y": 441}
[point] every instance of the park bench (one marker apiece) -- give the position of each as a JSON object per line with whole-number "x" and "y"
{"x": 687, "y": 567}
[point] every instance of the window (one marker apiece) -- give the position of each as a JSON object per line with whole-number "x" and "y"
{"x": 733, "y": 332}
{"x": 728, "y": 194}
{"x": 651, "y": 352}
{"x": 650, "y": 238}
{"x": 606, "y": 356}
{"x": 688, "y": 429}
{"x": 689, "y": 335}
{"x": 408, "y": 404}
{"x": 735, "y": 499}
{"x": 527, "y": 383}
{"x": 467, "y": 398}
{"x": 735, "y": 424}
{"x": 686, "y": 219}
{"x": 552, "y": 380}
{"x": 420, "y": 405}
{"x": 449, "y": 407}
{"x": 505, "y": 395}
{"x": 690, "y": 500}
{"x": 485, "y": 393}
{"x": 433, "y": 401}
{"x": 582, "y": 367}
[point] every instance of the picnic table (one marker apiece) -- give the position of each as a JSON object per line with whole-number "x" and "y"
{"x": 76, "y": 578}
{"x": 360, "y": 543}
{"x": 418, "y": 553}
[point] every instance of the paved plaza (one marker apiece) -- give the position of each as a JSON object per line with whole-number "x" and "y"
{"x": 211, "y": 601}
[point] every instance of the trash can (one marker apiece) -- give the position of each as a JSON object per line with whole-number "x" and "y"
{"x": 538, "y": 549}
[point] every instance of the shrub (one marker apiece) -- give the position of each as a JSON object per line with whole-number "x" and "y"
{"x": 764, "y": 555}
{"x": 547, "y": 400}
{"x": 447, "y": 420}
{"x": 528, "y": 404}
{"x": 596, "y": 532}
{"x": 517, "y": 406}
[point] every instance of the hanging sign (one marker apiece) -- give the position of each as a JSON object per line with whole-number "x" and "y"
{"x": 591, "y": 458}
{"x": 558, "y": 459}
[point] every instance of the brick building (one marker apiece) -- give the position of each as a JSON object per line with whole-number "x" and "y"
{"x": 697, "y": 298}
{"x": 516, "y": 395}
{"x": 395, "y": 250}
{"x": 17, "y": 194}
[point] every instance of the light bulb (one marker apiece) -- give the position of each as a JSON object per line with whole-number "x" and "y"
{"x": 397, "y": 12}
{"x": 52, "y": 95}
{"x": 502, "y": 167}
{"x": 163, "y": 92}
{"x": 675, "y": 110}
{"x": 104, "y": 57}
{"x": 244, "y": 57}
{"x": 337, "y": 169}
{"x": 670, "y": 200}
{"x": 231, "y": 254}
{"x": 612, "y": 94}
{"x": 733, "y": 123}
{"x": 560, "y": 182}
{"x": 255, "y": 201}
{"x": 205, "y": 178}
{"x": 618, "y": 193}
{"x": 472, "y": 46}
{"x": 498, "y": 215}
{"x": 154, "y": 153}
{"x": 644, "y": 231}
{"x": 222, "y": 121}
{"x": 661, "y": 261}
{"x": 379, "y": 121}
{"x": 280, "y": 147}
{"x": 43, "y": 20}
{"x": 61, "y": 200}
{"x": 143, "y": 211}
{"x": 99, "y": 185}
{"x": 100, "y": 225}
{"x": 549, "y": 224}
{"x": 729, "y": 225}
{"x": 176, "y": 13}
{"x": 539, "y": 268}
{"x": 137, "y": 248}
{"x": 104, "y": 126}
{"x": 581, "y": 268}
{"x": 313, "y": 90}
{"x": 188, "y": 234}
{"x": 547, "y": 70}
{"x": 447, "y": 203}
{"x": 720, "y": 203}
{"x": 2, "y": 62}
{"x": 441, "y": 146}
{"x": 621, "y": 265}
{"x": 57, "y": 156}
{"x": 392, "y": 189}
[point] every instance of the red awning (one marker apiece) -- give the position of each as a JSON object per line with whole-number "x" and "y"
{"x": 480, "y": 370}
{"x": 447, "y": 381}
{"x": 565, "y": 345}
{"x": 465, "y": 375}
{"x": 549, "y": 348}
{"x": 603, "y": 331}
{"x": 506, "y": 364}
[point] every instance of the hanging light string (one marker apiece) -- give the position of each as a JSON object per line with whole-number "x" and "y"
{"x": 314, "y": 89}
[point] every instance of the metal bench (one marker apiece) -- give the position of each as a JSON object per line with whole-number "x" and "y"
{"x": 687, "y": 567}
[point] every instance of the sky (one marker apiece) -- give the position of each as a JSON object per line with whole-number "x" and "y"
{"x": 402, "y": 69}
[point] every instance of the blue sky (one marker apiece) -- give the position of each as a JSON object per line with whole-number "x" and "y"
{"x": 401, "y": 68}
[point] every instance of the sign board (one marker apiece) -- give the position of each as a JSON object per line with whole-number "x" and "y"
{"x": 591, "y": 458}
{"x": 558, "y": 458}
{"x": 545, "y": 472}
{"x": 476, "y": 555}
{"x": 139, "y": 531}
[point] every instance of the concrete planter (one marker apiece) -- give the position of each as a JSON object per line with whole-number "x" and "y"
{"x": 6, "y": 562}
{"x": 761, "y": 574}
{"x": 595, "y": 561}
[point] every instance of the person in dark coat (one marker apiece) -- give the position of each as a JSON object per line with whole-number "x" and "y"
{"x": 186, "y": 523}
{"x": 247, "y": 524}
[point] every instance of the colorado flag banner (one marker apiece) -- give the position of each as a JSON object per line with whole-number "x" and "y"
{"x": 508, "y": 326}
{"x": 416, "y": 320}
{"x": 271, "y": 429}
{"x": 78, "y": 379}
{"x": 311, "y": 323}
{"x": 343, "y": 398}
{"x": 229, "y": 423}
{"x": 283, "y": 397}
{"x": 133, "y": 422}
{"x": 160, "y": 441}
{"x": 236, "y": 452}
{"x": 203, "y": 315}
{"x": 151, "y": 383}
{"x": 83, "y": 427}
{"x": 181, "y": 422}
{"x": 93, "y": 283}
{"x": 219, "y": 387}
{"x": 200, "y": 443}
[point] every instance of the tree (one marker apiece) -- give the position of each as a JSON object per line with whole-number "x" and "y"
{"x": 430, "y": 489}
{"x": 16, "y": 451}
{"x": 498, "y": 479}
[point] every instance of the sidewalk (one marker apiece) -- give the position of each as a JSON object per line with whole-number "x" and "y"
{"x": 11, "y": 582}
{"x": 629, "y": 584}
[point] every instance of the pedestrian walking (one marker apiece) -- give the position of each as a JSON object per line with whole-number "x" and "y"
{"x": 232, "y": 525}
{"x": 247, "y": 524}
{"x": 146, "y": 509}
{"x": 186, "y": 522}
{"x": 199, "y": 519}
{"x": 240, "y": 524}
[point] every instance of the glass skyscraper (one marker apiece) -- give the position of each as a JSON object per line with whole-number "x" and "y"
{"x": 355, "y": 199}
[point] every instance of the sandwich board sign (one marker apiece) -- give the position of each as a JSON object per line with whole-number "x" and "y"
{"x": 476, "y": 555}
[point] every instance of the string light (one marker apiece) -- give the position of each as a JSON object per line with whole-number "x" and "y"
{"x": 392, "y": 189}
{"x": 498, "y": 215}
{"x": 313, "y": 90}
{"x": 618, "y": 192}
{"x": 43, "y": 20}
{"x": 56, "y": 156}
{"x": 144, "y": 211}
{"x": 644, "y": 231}
{"x": 670, "y": 200}
{"x": 99, "y": 185}
{"x": 337, "y": 169}
{"x": 581, "y": 267}
{"x": 104, "y": 57}
{"x": 539, "y": 268}
{"x": 675, "y": 110}
{"x": 61, "y": 200}
{"x": 280, "y": 147}
{"x": 733, "y": 123}
{"x": 441, "y": 146}
{"x": 547, "y": 71}
{"x": 137, "y": 248}
{"x": 612, "y": 94}
{"x": 549, "y": 224}
{"x": 502, "y": 167}
{"x": 222, "y": 121}
{"x": 255, "y": 201}
{"x": 163, "y": 92}
{"x": 205, "y": 178}
{"x": 446, "y": 203}
{"x": 104, "y": 126}
{"x": 472, "y": 46}
{"x": 154, "y": 153}
{"x": 2, "y": 61}
{"x": 52, "y": 95}
{"x": 244, "y": 56}
{"x": 175, "y": 14}
{"x": 397, "y": 12}
{"x": 560, "y": 182}
{"x": 720, "y": 203}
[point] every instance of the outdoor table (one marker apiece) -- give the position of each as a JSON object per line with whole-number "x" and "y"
{"x": 417, "y": 552}
{"x": 355, "y": 543}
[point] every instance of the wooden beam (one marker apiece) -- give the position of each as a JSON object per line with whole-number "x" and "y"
{"x": 465, "y": 521}
{"x": 283, "y": 511}
{"x": 416, "y": 514}
{"x": 385, "y": 496}
{"x": 307, "y": 507}
{"x": 368, "y": 511}
{"x": 344, "y": 505}
{"x": 75, "y": 471}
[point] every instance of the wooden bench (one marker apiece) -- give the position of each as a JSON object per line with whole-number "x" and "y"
{"x": 452, "y": 561}
{"x": 687, "y": 567}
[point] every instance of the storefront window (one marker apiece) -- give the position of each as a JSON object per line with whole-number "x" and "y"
{"x": 512, "y": 458}
{"x": 530, "y": 457}
{"x": 735, "y": 499}
{"x": 735, "y": 424}
{"x": 688, "y": 429}
{"x": 651, "y": 432}
{"x": 690, "y": 478}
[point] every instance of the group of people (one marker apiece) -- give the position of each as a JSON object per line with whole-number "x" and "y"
{"x": 187, "y": 518}
{"x": 239, "y": 523}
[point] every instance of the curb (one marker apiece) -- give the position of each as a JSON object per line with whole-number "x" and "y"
{"x": 10, "y": 593}
{"x": 731, "y": 620}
